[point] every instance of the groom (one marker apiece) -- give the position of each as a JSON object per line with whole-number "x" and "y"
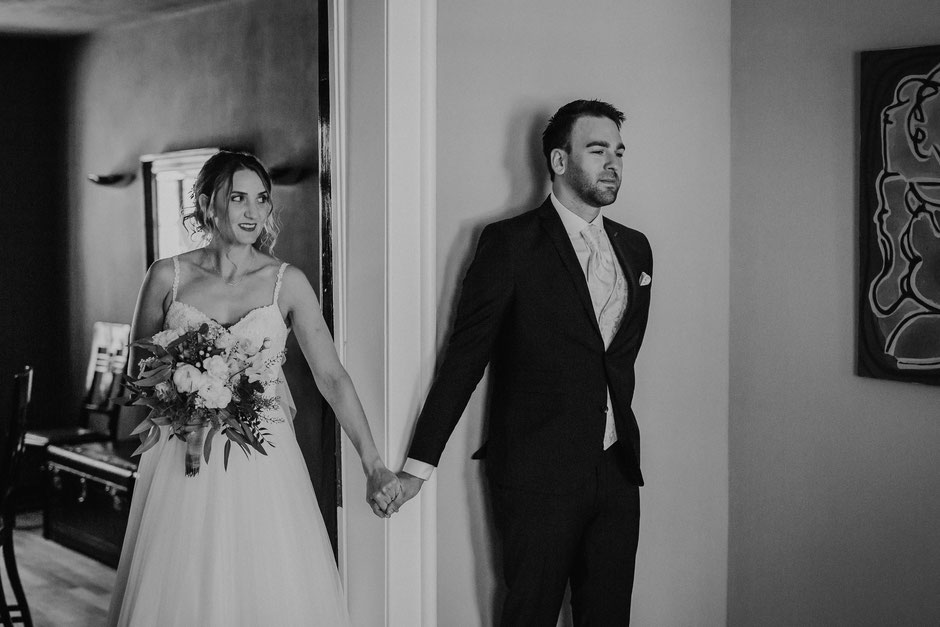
{"x": 556, "y": 302}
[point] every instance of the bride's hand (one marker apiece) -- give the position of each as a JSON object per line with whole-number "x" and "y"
{"x": 382, "y": 487}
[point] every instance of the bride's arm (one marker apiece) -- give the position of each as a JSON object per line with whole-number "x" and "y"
{"x": 313, "y": 336}
{"x": 151, "y": 301}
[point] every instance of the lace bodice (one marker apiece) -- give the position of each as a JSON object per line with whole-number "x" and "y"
{"x": 257, "y": 326}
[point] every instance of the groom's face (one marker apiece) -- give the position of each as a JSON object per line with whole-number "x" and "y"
{"x": 595, "y": 163}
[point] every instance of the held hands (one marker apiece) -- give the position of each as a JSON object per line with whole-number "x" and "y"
{"x": 386, "y": 492}
{"x": 382, "y": 488}
{"x": 410, "y": 485}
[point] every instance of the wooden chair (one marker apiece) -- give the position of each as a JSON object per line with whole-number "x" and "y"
{"x": 106, "y": 362}
{"x": 11, "y": 447}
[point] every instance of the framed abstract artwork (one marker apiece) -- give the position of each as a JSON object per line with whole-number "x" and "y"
{"x": 899, "y": 215}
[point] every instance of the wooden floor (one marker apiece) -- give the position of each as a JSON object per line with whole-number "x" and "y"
{"x": 63, "y": 588}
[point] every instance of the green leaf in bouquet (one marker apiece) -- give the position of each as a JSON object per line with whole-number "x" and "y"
{"x": 182, "y": 338}
{"x": 253, "y": 442}
{"x": 147, "y": 441}
{"x": 150, "y": 346}
{"x": 228, "y": 449}
{"x": 163, "y": 375}
{"x": 238, "y": 438}
{"x": 155, "y": 370}
{"x": 127, "y": 399}
{"x": 158, "y": 418}
{"x": 145, "y": 425}
{"x": 207, "y": 447}
{"x": 147, "y": 401}
{"x": 263, "y": 435}
{"x": 155, "y": 412}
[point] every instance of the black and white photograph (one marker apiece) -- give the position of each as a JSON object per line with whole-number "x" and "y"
{"x": 427, "y": 313}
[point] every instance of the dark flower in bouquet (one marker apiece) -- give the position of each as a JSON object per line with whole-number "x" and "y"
{"x": 202, "y": 383}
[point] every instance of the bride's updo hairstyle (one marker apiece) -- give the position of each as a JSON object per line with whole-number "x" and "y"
{"x": 215, "y": 182}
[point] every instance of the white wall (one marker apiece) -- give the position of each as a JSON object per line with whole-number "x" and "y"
{"x": 834, "y": 478}
{"x": 503, "y": 67}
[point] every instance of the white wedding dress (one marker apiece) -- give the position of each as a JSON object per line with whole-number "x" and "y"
{"x": 239, "y": 547}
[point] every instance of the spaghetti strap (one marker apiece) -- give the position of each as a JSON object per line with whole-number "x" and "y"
{"x": 277, "y": 286}
{"x": 176, "y": 275}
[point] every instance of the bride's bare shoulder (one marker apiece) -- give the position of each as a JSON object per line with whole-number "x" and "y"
{"x": 161, "y": 270}
{"x": 193, "y": 258}
{"x": 269, "y": 262}
{"x": 295, "y": 284}
{"x": 159, "y": 279}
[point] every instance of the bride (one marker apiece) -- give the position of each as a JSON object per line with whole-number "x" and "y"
{"x": 247, "y": 545}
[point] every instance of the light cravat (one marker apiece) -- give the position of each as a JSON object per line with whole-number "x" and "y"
{"x": 601, "y": 278}
{"x": 608, "y": 296}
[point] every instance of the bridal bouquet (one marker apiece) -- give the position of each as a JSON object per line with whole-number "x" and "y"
{"x": 201, "y": 383}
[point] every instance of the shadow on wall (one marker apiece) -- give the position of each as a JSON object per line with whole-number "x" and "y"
{"x": 529, "y": 185}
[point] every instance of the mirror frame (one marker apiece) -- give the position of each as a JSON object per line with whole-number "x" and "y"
{"x": 179, "y": 165}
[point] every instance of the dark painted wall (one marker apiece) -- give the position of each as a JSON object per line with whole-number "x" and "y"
{"x": 34, "y": 325}
{"x": 243, "y": 75}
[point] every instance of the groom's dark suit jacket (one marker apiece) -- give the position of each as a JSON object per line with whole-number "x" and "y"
{"x": 525, "y": 309}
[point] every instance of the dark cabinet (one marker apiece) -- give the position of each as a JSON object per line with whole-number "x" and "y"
{"x": 89, "y": 488}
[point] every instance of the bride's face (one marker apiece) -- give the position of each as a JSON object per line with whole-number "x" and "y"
{"x": 246, "y": 208}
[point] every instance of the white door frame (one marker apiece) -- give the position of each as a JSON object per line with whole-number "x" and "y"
{"x": 410, "y": 318}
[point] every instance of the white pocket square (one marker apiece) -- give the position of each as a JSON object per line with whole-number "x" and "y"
{"x": 645, "y": 279}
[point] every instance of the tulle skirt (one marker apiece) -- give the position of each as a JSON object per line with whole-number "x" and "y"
{"x": 242, "y": 547}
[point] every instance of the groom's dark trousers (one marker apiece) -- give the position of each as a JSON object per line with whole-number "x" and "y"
{"x": 565, "y": 509}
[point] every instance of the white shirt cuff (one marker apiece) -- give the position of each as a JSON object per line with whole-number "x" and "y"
{"x": 421, "y": 470}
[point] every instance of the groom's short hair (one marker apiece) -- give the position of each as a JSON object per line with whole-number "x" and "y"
{"x": 558, "y": 132}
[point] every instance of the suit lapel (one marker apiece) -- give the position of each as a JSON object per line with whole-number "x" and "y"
{"x": 559, "y": 237}
{"x": 627, "y": 263}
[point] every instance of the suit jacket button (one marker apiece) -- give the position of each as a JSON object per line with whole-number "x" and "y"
{"x": 604, "y": 409}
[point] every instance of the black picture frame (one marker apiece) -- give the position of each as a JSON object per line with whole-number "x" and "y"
{"x": 899, "y": 215}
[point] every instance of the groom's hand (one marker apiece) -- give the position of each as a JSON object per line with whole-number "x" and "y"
{"x": 410, "y": 485}
{"x": 382, "y": 486}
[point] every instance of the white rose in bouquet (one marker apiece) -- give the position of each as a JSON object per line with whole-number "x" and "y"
{"x": 164, "y": 390}
{"x": 187, "y": 379}
{"x": 249, "y": 346}
{"x": 226, "y": 342}
{"x": 214, "y": 393}
{"x": 217, "y": 367}
{"x": 163, "y": 338}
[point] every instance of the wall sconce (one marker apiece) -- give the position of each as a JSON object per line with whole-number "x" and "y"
{"x": 112, "y": 180}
